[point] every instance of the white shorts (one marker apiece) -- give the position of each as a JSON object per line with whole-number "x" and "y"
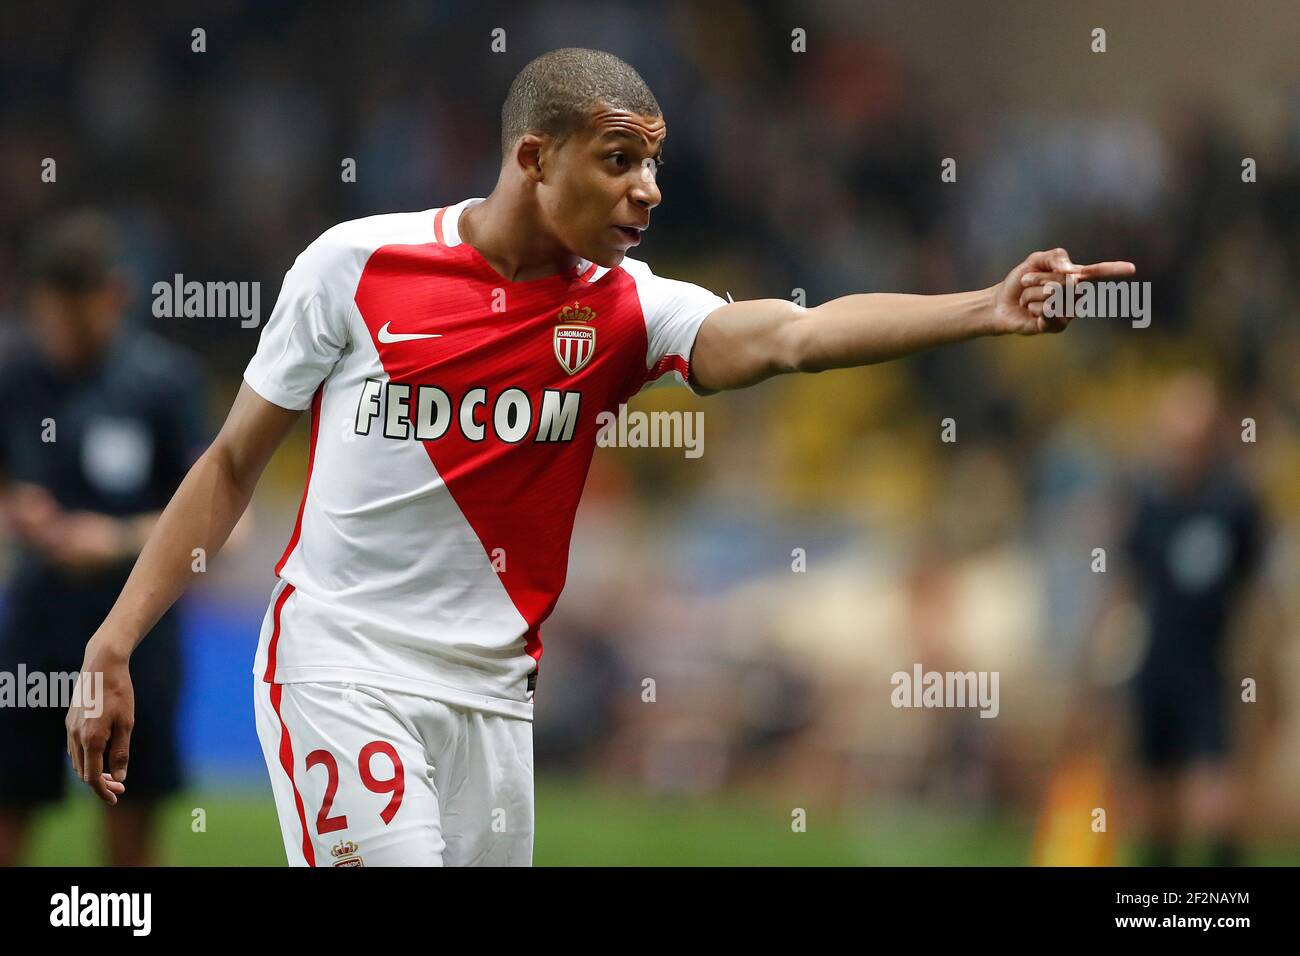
{"x": 368, "y": 777}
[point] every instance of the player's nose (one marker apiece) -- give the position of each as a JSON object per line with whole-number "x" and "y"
{"x": 645, "y": 194}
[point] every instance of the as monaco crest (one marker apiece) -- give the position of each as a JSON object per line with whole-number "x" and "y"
{"x": 575, "y": 344}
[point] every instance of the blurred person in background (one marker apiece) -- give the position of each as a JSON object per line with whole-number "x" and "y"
{"x": 1195, "y": 540}
{"x": 98, "y": 424}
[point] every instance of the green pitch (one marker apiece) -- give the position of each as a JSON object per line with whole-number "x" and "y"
{"x": 582, "y": 823}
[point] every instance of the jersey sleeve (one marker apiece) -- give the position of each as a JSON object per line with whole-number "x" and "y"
{"x": 307, "y": 331}
{"x": 674, "y": 311}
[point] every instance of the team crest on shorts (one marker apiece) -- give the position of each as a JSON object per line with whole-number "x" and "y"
{"x": 575, "y": 343}
{"x": 344, "y": 853}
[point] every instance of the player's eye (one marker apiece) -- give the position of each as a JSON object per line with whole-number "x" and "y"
{"x": 622, "y": 161}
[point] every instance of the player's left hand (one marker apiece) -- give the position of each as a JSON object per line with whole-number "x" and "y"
{"x": 99, "y": 721}
{"x": 1018, "y": 302}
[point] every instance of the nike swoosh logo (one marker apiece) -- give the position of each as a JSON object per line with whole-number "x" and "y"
{"x": 386, "y": 336}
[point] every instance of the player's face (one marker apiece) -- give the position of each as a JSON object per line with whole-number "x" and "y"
{"x": 605, "y": 184}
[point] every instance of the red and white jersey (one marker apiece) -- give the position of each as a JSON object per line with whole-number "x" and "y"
{"x": 453, "y": 420}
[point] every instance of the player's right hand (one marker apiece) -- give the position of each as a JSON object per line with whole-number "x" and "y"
{"x": 101, "y": 720}
{"x": 1019, "y": 303}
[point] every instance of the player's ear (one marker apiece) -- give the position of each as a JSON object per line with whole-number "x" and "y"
{"x": 529, "y": 155}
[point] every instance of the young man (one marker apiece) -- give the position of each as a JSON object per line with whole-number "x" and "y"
{"x": 455, "y": 361}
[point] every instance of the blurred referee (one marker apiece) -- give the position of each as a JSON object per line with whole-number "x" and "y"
{"x": 99, "y": 423}
{"x": 1195, "y": 543}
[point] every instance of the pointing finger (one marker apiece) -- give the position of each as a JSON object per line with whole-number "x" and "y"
{"x": 1106, "y": 269}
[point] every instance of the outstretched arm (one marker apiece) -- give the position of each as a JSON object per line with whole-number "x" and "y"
{"x": 745, "y": 342}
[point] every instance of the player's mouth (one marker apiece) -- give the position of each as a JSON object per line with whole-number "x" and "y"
{"x": 631, "y": 234}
